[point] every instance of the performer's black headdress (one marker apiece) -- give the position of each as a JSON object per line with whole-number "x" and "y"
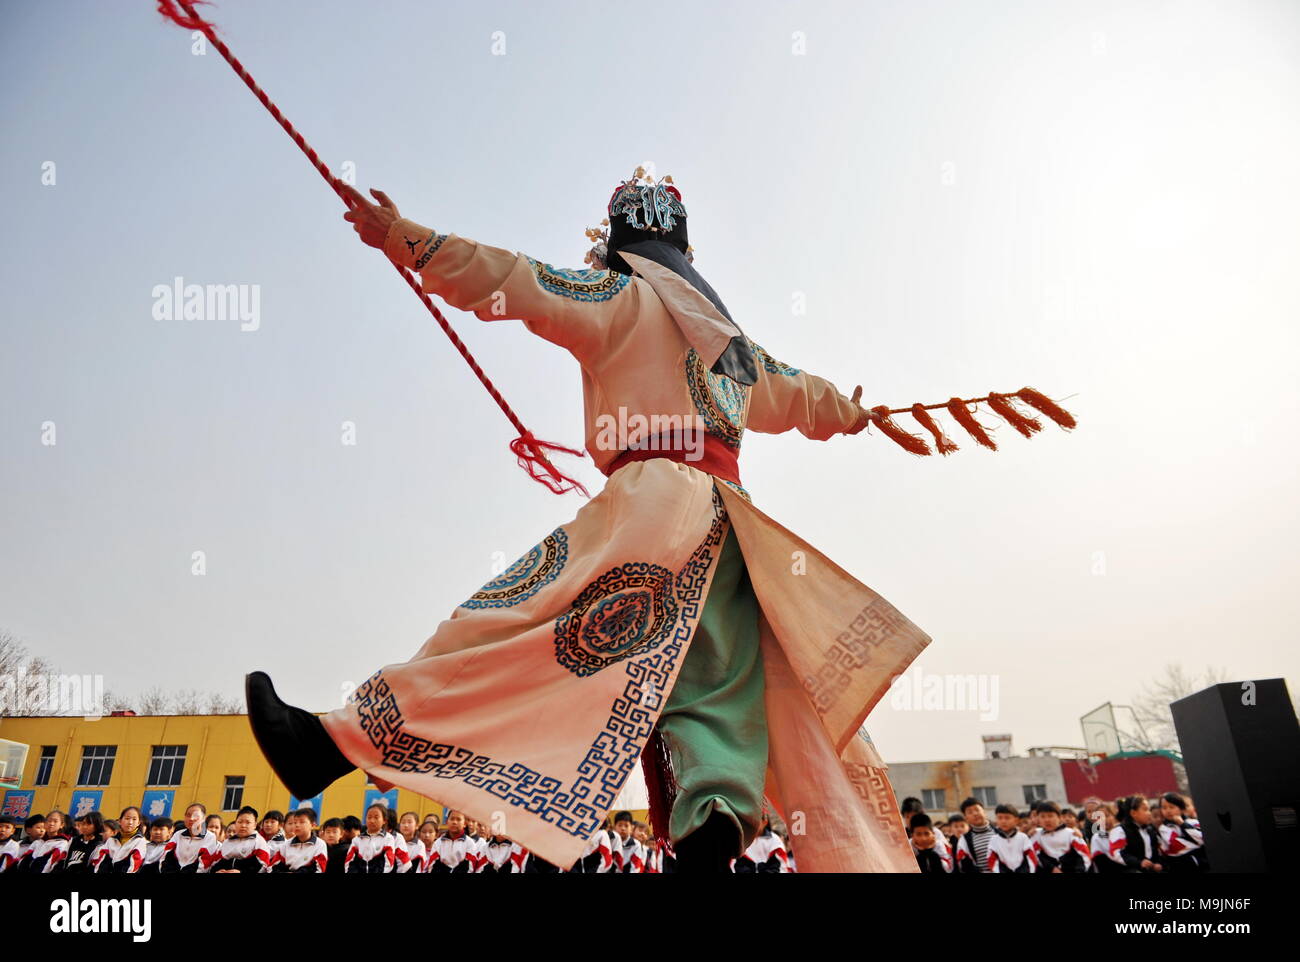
{"x": 648, "y": 219}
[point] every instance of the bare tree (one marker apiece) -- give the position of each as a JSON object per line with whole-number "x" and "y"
{"x": 115, "y": 702}
{"x": 24, "y": 680}
{"x": 1155, "y": 730}
{"x": 154, "y": 701}
{"x": 188, "y": 701}
{"x": 219, "y": 704}
{"x": 25, "y": 690}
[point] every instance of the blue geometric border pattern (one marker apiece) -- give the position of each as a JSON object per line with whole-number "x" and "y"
{"x": 579, "y": 284}
{"x": 772, "y": 365}
{"x": 540, "y": 566}
{"x": 737, "y": 488}
{"x": 625, "y": 612}
{"x": 581, "y": 805}
{"x": 720, "y": 401}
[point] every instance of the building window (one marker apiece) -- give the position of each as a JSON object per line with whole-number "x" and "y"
{"x": 1035, "y": 793}
{"x": 233, "y": 800}
{"x": 932, "y": 799}
{"x": 167, "y": 766}
{"x": 986, "y": 796}
{"x": 96, "y": 765}
{"x": 45, "y": 767}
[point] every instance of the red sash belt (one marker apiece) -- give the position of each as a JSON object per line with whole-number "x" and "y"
{"x": 718, "y": 458}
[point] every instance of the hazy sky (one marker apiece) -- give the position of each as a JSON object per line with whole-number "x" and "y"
{"x": 1096, "y": 199}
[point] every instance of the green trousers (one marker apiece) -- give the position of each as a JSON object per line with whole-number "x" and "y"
{"x": 714, "y": 723}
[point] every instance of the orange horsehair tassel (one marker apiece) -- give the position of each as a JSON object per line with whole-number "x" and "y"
{"x": 1049, "y": 407}
{"x": 941, "y": 441}
{"x": 1001, "y": 403}
{"x": 961, "y": 414}
{"x": 880, "y": 415}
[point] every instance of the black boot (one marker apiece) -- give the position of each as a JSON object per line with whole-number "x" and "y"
{"x": 294, "y": 741}
{"x": 710, "y": 848}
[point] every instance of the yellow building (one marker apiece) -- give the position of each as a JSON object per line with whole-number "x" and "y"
{"x": 211, "y": 759}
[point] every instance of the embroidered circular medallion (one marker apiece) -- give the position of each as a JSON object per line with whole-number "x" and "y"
{"x": 628, "y": 610}
{"x": 538, "y": 567}
{"x": 720, "y": 401}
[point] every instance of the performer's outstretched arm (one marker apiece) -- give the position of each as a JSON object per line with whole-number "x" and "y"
{"x": 576, "y": 309}
{"x": 787, "y": 399}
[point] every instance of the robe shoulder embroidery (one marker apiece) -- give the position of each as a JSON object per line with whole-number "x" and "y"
{"x": 771, "y": 364}
{"x": 719, "y": 400}
{"x": 539, "y": 566}
{"x": 579, "y": 284}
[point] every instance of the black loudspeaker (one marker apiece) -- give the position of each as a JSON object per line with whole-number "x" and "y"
{"x": 1241, "y": 748}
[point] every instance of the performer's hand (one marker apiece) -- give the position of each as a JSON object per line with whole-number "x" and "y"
{"x": 857, "y": 395}
{"x": 370, "y": 220}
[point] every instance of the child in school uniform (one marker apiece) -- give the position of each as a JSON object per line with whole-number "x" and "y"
{"x": 9, "y": 848}
{"x": 409, "y": 850}
{"x": 766, "y": 854}
{"x": 660, "y": 857}
{"x": 371, "y": 852}
{"x": 88, "y": 836}
{"x": 216, "y": 826}
{"x": 454, "y": 852}
{"x": 503, "y": 856}
{"x": 244, "y": 850}
{"x": 1010, "y": 849}
{"x": 395, "y": 839}
{"x": 1132, "y": 842}
{"x": 352, "y": 827}
{"x": 123, "y": 853}
{"x": 629, "y": 854}
{"x": 1102, "y": 819}
{"x": 331, "y": 834}
{"x": 425, "y": 836}
{"x": 54, "y": 850}
{"x": 32, "y": 844}
{"x": 194, "y": 849}
{"x": 1182, "y": 845}
{"x": 159, "y": 835}
{"x": 928, "y": 856}
{"x": 598, "y": 857}
{"x": 478, "y": 833}
{"x": 58, "y": 837}
{"x": 1059, "y": 850}
{"x": 497, "y": 856}
{"x": 303, "y": 853}
{"x": 272, "y": 831}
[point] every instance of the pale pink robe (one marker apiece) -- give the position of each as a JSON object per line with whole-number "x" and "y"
{"x": 531, "y": 703}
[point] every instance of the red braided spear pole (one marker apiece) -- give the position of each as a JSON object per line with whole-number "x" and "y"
{"x": 530, "y": 451}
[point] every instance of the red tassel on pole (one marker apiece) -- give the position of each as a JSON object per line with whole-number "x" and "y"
{"x": 190, "y": 21}
{"x": 961, "y": 414}
{"x": 1049, "y": 407}
{"x": 1001, "y": 404}
{"x": 532, "y": 458}
{"x": 880, "y": 415}
{"x": 941, "y": 441}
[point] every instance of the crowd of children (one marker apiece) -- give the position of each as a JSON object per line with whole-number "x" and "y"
{"x": 277, "y": 842}
{"x": 1134, "y": 834}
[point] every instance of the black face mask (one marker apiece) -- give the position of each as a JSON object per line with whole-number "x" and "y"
{"x": 668, "y": 248}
